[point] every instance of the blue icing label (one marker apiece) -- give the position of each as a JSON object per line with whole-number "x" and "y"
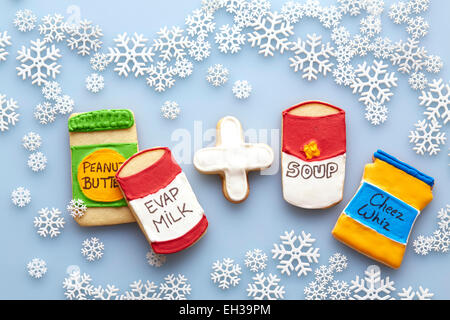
{"x": 382, "y": 212}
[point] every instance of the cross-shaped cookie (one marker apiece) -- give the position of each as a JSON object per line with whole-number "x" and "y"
{"x": 232, "y": 158}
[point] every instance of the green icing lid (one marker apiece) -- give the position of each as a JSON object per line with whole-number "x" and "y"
{"x": 101, "y": 120}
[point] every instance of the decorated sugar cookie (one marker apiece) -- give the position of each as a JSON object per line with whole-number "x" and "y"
{"x": 313, "y": 155}
{"x": 162, "y": 200}
{"x": 378, "y": 220}
{"x": 100, "y": 142}
{"x": 232, "y": 158}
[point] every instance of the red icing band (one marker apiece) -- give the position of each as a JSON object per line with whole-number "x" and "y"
{"x": 151, "y": 179}
{"x": 328, "y": 132}
{"x": 186, "y": 240}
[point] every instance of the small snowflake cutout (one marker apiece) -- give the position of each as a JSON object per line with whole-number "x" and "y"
{"x": 77, "y": 208}
{"x": 140, "y": 290}
{"x": 230, "y": 39}
{"x": 372, "y": 287}
{"x": 242, "y": 89}
{"x": 265, "y": 287}
{"x": 95, "y": 83}
{"x": 31, "y": 141}
{"x": 25, "y": 20}
{"x": 161, "y": 76}
{"x": 376, "y": 113}
{"x": 217, "y": 75}
{"x": 51, "y": 90}
{"x": 49, "y": 222}
{"x": 21, "y": 196}
{"x": 78, "y": 286}
{"x": 84, "y": 37}
{"x": 99, "y": 61}
{"x": 4, "y": 42}
{"x": 255, "y": 260}
{"x": 155, "y": 260}
{"x": 92, "y": 249}
{"x": 53, "y": 28}
{"x": 45, "y": 113}
{"x": 175, "y": 287}
{"x": 8, "y": 114}
{"x": 183, "y": 68}
{"x": 37, "y": 268}
{"x": 37, "y": 161}
{"x": 427, "y": 137}
{"x": 170, "y": 110}
{"x": 64, "y": 104}
{"x": 226, "y": 273}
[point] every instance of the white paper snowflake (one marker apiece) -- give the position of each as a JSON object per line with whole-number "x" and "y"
{"x": 183, "y": 67}
{"x": 95, "y": 82}
{"x": 64, "y": 104}
{"x": 437, "y": 101}
{"x": 217, "y": 75}
{"x": 417, "y": 27}
{"x": 312, "y": 8}
{"x": 330, "y": 17}
{"x": 78, "y": 286}
{"x": 382, "y": 48}
{"x": 200, "y": 23}
{"x": 31, "y": 141}
{"x": 312, "y": 57}
{"x": 255, "y": 260}
{"x": 409, "y": 56}
{"x": 418, "y": 6}
{"x": 233, "y": 6}
{"x": 374, "y": 7}
{"x": 170, "y": 110}
{"x": 77, "y": 208}
{"x": 242, "y": 89}
{"x": 296, "y": 257}
{"x": 200, "y": 49}
{"x": 427, "y": 137}
{"x": 21, "y": 197}
{"x": 25, "y": 20}
{"x": 53, "y": 28}
{"x": 5, "y": 40}
{"x": 171, "y": 43}
{"x": 51, "y": 90}
{"x": 292, "y": 11}
{"x": 376, "y": 113}
{"x": 338, "y": 262}
{"x": 340, "y": 35}
{"x": 344, "y": 53}
{"x": 99, "y": 61}
{"x": 130, "y": 58}
{"x": 92, "y": 249}
{"x": 441, "y": 241}
{"x": 372, "y": 287}
{"x": 265, "y": 287}
{"x": 338, "y": 290}
{"x": 257, "y": 9}
{"x": 353, "y": 7}
{"x": 142, "y": 291}
{"x": 154, "y": 259}
{"x": 374, "y": 82}
{"x": 108, "y": 293}
{"x": 315, "y": 290}
{"x": 270, "y": 34}
{"x": 361, "y": 44}
{"x": 38, "y": 62}
{"x": 37, "y": 161}
{"x": 423, "y": 245}
{"x": 45, "y": 113}
{"x": 444, "y": 218}
{"x": 161, "y": 76}
{"x": 175, "y": 288}
{"x": 213, "y": 5}
{"x": 49, "y": 222}
{"x": 344, "y": 74}
{"x": 230, "y": 39}
{"x": 418, "y": 81}
{"x": 434, "y": 64}
{"x": 8, "y": 114}
{"x": 226, "y": 273}
{"x": 84, "y": 37}
{"x": 370, "y": 26}
{"x": 410, "y": 294}
{"x": 399, "y": 12}
{"x": 323, "y": 274}
{"x": 37, "y": 268}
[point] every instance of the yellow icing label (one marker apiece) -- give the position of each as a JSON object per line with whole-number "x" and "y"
{"x": 96, "y": 175}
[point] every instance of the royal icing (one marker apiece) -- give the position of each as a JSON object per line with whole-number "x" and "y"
{"x": 233, "y": 158}
{"x": 379, "y": 218}
{"x": 164, "y": 204}
{"x": 101, "y": 120}
{"x": 313, "y": 158}
{"x": 93, "y": 173}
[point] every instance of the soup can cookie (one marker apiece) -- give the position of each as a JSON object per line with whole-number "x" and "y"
{"x": 162, "y": 200}
{"x": 378, "y": 220}
{"x": 313, "y": 155}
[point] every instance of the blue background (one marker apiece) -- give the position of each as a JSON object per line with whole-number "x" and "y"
{"x": 234, "y": 229}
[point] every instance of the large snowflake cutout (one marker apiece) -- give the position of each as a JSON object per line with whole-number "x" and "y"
{"x": 8, "y": 114}
{"x": 409, "y": 56}
{"x": 410, "y": 294}
{"x": 171, "y": 43}
{"x": 84, "y": 37}
{"x": 49, "y": 222}
{"x": 175, "y": 288}
{"x": 427, "y": 137}
{"x": 226, "y": 273}
{"x": 255, "y": 260}
{"x": 130, "y": 58}
{"x": 38, "y": 62}
{"x": 4, "y": 42}
{"x": 200, "y": 23}
{"x": 293, "y": 256}
{"x": 53, "y": 27}
{"x": 230, "y": 39}
{"x": 92, "y": 249}
{"x": 270, "y": 34}
{"x": 265, "y": 287}
{"x": 437, "y": 101}
{"x": 372, "y": 287}
{"x": 312, "y": 57}
{"x": 374, "y": 82}
{"x": 108, "y": 293}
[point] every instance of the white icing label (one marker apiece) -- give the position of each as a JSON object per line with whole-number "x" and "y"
{"x": 169, "y": 213}
{"x": 313, "y": 184}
